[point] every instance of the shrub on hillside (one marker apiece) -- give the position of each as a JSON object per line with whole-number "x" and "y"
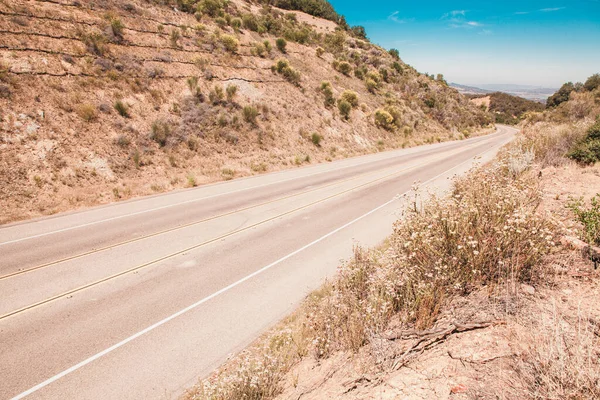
{"x": 212, "y": 8}
{"x": 290, "y": 74}
{"x": 371, "y": 85}
{"x": 316, "y": 139}
{"x": 351, "y": 97}
{"x": 230, "y": 43}
{"x": 250, "y": 22}
{"x": 250, "y": 114}
{"x": 592, "y": 83}
{"x": 561, "y": 96}
{"x": 384, "y": 119}
{"x": 281, "y": 44}
{"x": 589, "y": 217}
{"x": 327, "y": 91}
{"x": 587, "y": 151}
{"x": 122, "y": 108}
{"x": 160, "y": 132}
{"x": 345, "y": 108}
{"x": 344, "y": 67}
{"x": 231, "y": 92}
{"x": 87, "y": 112}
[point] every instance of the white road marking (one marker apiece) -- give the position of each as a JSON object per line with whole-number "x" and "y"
{"x": 217, "y": 293}
{"x": 203, "y": 198}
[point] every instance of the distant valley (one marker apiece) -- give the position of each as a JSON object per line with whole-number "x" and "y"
{"x": 536, "y": 93}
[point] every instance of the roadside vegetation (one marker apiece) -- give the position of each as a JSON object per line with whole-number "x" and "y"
{"x": 488, "y": 235}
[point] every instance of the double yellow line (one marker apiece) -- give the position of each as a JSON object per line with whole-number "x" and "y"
{"x": 216, "y": 239}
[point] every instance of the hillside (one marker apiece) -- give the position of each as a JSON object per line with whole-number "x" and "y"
{"x": 106, "y": 100}
{"x": 506, "y": 108}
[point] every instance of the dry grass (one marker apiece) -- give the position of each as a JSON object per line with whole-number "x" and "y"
{"x": 487, "y": 233}
{"x": 560, "y": 359}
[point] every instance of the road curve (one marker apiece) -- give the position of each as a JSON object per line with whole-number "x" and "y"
{"x": 139, "y": 299}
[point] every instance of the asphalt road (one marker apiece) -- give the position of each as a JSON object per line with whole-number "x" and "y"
{"x": 139, "y": 299}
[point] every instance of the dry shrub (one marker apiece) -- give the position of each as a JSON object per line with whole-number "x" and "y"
{"x": 561, "y": 358}
{"x": 486, "y": 233}
{"x": 252, "y": 376}
{"x": 550, "y": 143}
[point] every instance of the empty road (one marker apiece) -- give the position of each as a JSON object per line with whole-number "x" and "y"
{"x": 139, "y": 299}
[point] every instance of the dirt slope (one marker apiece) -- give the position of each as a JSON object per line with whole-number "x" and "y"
{"x": 104, "y": 100}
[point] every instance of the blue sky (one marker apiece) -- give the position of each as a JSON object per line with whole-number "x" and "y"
{"x": 544, "y": 43}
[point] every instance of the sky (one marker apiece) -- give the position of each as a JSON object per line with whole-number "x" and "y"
{"x": 528, "y": 42}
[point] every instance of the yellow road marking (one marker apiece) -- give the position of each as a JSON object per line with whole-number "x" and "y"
{"x": 144, "y": 265}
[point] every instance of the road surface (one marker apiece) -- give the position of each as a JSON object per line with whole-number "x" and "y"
{"x": 139, "y": 299}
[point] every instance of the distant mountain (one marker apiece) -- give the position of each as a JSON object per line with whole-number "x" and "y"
{"x": 530, "y": 92}
{"x": 464, "y": 89}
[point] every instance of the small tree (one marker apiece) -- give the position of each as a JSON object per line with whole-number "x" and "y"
{"x": 592, "y": 83}
{"x": 395, "y": 53}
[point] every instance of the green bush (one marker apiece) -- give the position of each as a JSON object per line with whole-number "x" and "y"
{"x": 258, "y": 50}
{"x": 230, "y": 43}
{"x": 592, "y": 83}
{"x": 587, "y": 151}
{"x": 316, "y": 139}
{"x": 117, "y": 28}
{"x": 327, "y": 91}
{"x": 395, "y": 53}
{"x": 320, "y": 51}
{"x": 268, "y": 46}
{"x": 290, "y": 74}
{"x": 122, "y": 108}
{"x": 371, "y": 85}
{"x": 213, "y": 8}
{"x": 250, "y": 22}
{"x": 231, "y": 91}
{"x": 160, "y": 133}
{"x": 588, "y": 217}
{"x": 236, "y": 24}
{"x": 561, "y": 95}
{"x": 216, "y": 96}
{"x": 351, "y": 97}
{"x": 174, "y": 37}
{"x": 281, "y": 44}
{"x": 384, "y": 119}
{"x": 250, "y": 114}
{"x": 344, "y": 67}
{"x": 345, "y": 108}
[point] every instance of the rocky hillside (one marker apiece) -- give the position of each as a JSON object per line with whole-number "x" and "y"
{"x": 102, "y": 100}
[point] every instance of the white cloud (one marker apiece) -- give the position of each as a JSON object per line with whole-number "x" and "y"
{"x": 552, "y": 9}
{"x": 394, "y": 17}
{"x": 454, "y": 13}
